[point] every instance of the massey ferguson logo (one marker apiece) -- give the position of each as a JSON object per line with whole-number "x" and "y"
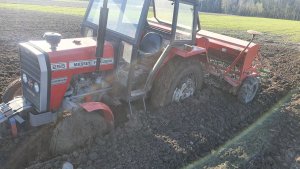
{"x": 58, "y": 66}
{"x": 80, "y": 64}
{"x": 89, "y": 63}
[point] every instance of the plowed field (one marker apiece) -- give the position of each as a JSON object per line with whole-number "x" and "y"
{"x": 174, "y": 136}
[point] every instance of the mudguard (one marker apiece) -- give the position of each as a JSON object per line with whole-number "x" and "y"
{"x": 94, "y": 106}
{"x": 191, "y": 52}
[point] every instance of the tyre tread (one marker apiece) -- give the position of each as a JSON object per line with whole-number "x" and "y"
{"x": 168, "y": 76}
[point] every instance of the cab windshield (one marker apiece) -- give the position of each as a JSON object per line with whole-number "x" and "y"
{"x": 164, "y": 11}
{"x": 123, "y": 17}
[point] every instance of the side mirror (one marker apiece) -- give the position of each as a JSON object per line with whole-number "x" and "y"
{"x": 87, "y": 32}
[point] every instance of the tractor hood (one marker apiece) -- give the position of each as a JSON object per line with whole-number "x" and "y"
{"x": 54, "y": 68}
{"x": 72, "y": 54}
{"x": 85, "y": 47}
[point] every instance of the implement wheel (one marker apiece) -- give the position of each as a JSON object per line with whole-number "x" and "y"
{"x": 178, "y": 80}
{"x": 14, "y": 89}
{"x": 248, "y": 90}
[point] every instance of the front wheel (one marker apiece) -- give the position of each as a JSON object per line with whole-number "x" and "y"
{"x": 14, "y": 89}
{"x": 179, "y": 79}
{"x": 248, "y": 89}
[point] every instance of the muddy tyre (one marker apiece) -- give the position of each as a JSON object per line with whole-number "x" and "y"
{"x": 248, "y": 90}
{"x": 178, "y": 80}
{"x": 76, "y": 130}
{"x": 13, "y": 90}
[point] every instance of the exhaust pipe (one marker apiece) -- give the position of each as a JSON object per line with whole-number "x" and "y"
{"x": 101, "y": 34}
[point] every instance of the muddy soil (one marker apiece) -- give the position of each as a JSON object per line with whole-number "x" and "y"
{"x": 283, "y": 148}
{"x": 171, "y": 137}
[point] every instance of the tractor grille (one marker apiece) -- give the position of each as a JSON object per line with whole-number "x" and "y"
{"x": 30, "y": 66}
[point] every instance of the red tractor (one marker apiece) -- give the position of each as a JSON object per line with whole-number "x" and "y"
{"x": 131, "y": 50}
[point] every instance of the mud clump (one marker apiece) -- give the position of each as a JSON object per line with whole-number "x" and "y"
{"x": 76, "y": 129}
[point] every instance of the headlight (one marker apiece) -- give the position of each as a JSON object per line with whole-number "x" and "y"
{"x": 36, "y": 87}
{"x": 24, "y": 77}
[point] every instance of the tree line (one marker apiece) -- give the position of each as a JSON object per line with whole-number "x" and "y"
{"x": 281, "y": 9}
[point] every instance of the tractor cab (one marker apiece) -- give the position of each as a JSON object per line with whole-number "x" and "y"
{"x": 142, "y": 33}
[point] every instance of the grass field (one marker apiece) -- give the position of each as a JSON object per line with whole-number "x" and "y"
{"x": 208, "y": 21}
{"x": 274, "y": 26}
{"x": 48, "y": 9}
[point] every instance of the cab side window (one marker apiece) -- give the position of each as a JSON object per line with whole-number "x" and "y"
{"x": 184, "y": 30}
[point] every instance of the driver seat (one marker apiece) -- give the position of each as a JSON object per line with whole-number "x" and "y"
{"x": 150, "y": 45}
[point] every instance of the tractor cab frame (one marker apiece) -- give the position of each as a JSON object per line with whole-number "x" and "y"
{"x": 137, "y": 30}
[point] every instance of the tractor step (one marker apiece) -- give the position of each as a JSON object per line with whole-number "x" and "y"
{"x": 137, "y": 94}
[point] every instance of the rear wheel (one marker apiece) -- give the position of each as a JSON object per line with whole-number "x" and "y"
{"x": 248, "y": 89}
{"x": 178, "y": 80}
{"x": 14, "y": 89}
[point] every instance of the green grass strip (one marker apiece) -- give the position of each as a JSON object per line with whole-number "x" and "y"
{"x": 47, "y": 9}
{"x": 77, "y": 1}
{"x": 275, "y": 26}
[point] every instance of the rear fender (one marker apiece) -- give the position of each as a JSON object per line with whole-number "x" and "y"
{"x": 192, "y": 52}
{"x": 94, "y": 106}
